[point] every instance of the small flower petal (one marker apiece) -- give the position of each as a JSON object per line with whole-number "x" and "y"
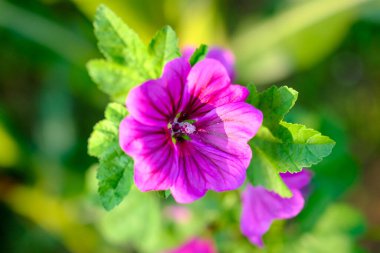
{"x": 196, "y": 245}
{"x": 261, "y": 207}
{"x": 178, "y": 214}
{"x": 224, "y": 56}
{"x": 297, "y": 180}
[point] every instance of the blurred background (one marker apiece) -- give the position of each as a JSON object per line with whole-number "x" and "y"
{"x": 327, "y": 50}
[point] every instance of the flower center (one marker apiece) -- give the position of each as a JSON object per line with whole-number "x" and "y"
{"x": 181, "y": 130}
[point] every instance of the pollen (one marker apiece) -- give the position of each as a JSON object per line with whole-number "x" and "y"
{"x": 187, "y": 127}
{"x": 181, "y": 130}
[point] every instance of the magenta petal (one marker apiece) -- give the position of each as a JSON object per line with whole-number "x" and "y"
{"x": 184, "y": 192}
{"x": 156, "y": 172}
{"x": 149, "y": 104}
{"x": 196, "y": 245}
{"x": 261, "y": 208}
{"x": 223, "y": 170}
{"x": 217, "y": 156}
{"x": 209, "y": 87}
{"x": 156, "y": 101}
{"x": 206, "y": 77}
{"x": 297, "y": 180}
{"x": 206, "y": 167}
{"x": 187, "y": 52}
{"x": 174, "y": 80}
{"x": 190, "y": 184}
{"x": 234, "y": 122}
{"x": 256, "y": 240}
{"x": 137, "y": 139}
{"x": 224, "y": 56}
{"x": 153, "y": 153}
{"x": 206, "y": 81}
{"x": 234, "y": 93}
{"x": 222, "y": 143}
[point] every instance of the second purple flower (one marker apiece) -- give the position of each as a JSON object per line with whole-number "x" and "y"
{"x": 261, "y": 207}
{"x": 188, "y": 130}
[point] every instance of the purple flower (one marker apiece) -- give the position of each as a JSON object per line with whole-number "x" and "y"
{"x": 224, "y": 56}
{"x": 188, "y": 131}
{"x": 196, "y": 245}
{"x": 261, "y": 207}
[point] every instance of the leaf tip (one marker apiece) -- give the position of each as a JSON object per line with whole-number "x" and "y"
{"x": 101, "y": 8}
{"x": 198, "y": 54}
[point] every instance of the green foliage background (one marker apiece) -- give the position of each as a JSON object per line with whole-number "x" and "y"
{"x": 327, "y": 50}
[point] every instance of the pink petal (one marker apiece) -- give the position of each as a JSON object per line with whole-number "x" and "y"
{"x": 224, "y": 56}
{"x": 297, "y": 180}
{"x": 203, "y": 167}
{"x": 223, "y": 169}
{"x": 156, "y": 102}
{"x": 190, "y": 184}
{"x": 196, "y": 245}
{"x": 174, "y": 80}
{"x": 256, "y": 240}
{"x": 207, "y": 84}
{"x": 178, "y": 214}
{"x": 234, "y": 93}
{"x": 206, "y": 77}
{"x": 153, "y": 152}
{"x": 218, "y": 155}
{"x": 261, "y": 208}
{"x": 234, "y": 122}
{"x": 187, "y": 52}
{"x": 157, "y": 171}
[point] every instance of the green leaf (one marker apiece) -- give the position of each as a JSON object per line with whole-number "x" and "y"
{"x": 294, "y": 148}
{"x": 163, "y": 194}
{"x": 275, "y": 103}
{"x": 115, "y": 175}
{"x": 105, "y": 135}
{"x": 261, "y": 172}
{"x": 198, "y": 54}
{"x": 116, "y": 41}
{"x": 115, "y": 172}
{"x": 113, "y": 79}
{"x": 163, "y": 48}
{"x": 129, "y": 61}
{"x": 280, "y": 146}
